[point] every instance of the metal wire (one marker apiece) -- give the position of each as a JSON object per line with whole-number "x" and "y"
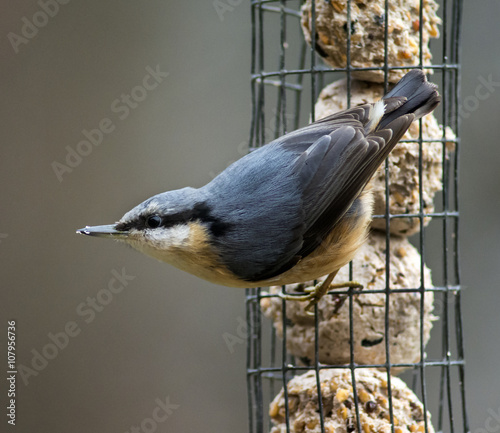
{"x": 287, "y": 75}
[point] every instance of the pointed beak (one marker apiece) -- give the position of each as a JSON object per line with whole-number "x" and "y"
{"x": 107, "y": 231}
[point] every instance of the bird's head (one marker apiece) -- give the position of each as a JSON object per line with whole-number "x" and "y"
{"x": 163, "y": 226}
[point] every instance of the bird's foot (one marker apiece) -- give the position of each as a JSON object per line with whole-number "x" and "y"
{"x": 314, "y": 294}
{"x": 318, "y": 292}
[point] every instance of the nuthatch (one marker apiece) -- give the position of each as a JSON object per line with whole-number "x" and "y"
{"x": 291, "y": 211}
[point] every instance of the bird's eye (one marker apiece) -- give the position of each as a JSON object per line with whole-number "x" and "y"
{"x": 153, "y": 221}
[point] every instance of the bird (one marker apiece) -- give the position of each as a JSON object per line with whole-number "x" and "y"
{"x": 291, "y": 211}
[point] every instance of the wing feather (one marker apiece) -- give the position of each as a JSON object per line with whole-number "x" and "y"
{"x": 333, "y": 170}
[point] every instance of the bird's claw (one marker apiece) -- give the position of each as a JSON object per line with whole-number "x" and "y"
{"x": 300, "y": 298}
{"x": 314, "y": 294}
{"x": 312, "y": 297}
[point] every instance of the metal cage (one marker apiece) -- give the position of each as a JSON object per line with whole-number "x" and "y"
{"x": 286, "y": 78}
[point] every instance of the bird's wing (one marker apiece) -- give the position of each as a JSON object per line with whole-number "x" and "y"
{"x": 336, "y": 159}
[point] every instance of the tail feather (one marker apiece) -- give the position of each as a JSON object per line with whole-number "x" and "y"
{"x": 412, "y": 94}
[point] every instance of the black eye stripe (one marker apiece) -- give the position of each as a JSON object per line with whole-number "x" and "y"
{"x": 200, "y": 212}
{"x": 178, "y": 218}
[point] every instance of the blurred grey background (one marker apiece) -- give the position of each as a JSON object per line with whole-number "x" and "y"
{"x": 162, "y": 338}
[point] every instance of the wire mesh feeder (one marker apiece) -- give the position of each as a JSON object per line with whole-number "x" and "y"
{"x": 325, "y": 387}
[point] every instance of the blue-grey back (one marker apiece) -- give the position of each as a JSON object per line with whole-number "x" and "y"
{"x": 261, "y": 199}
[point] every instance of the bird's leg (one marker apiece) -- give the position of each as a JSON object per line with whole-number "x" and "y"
{"x": 313, "y": 293}
{"x": 321, "y": 289}
{"x": 318, "y": 291}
